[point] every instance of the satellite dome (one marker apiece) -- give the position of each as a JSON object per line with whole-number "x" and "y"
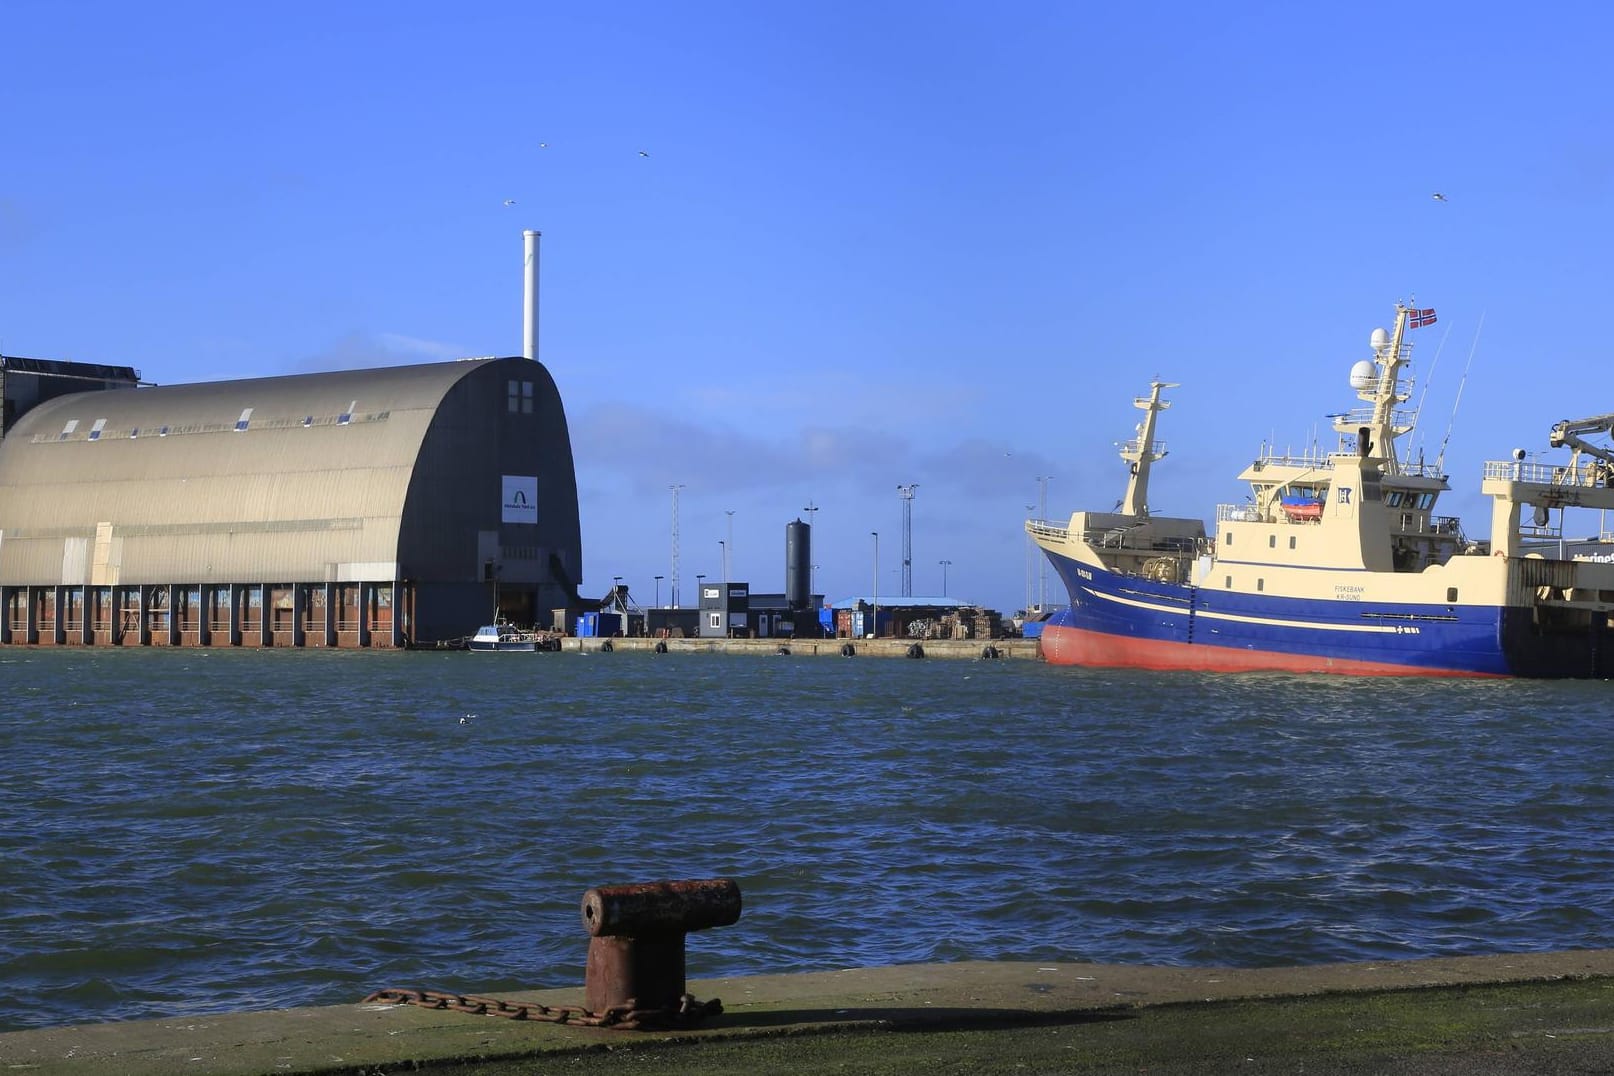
{"x": 1378, "y": 339}
{"x": 1362, "y": 374}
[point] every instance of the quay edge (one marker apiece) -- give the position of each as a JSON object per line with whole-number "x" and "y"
{"x": 951, "y": 649}
{"x": 1542, "y": 1024}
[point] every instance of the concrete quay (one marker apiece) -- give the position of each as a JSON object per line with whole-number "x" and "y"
{"x": 1533, "y": 1012}
{"x": 947, "y": 649}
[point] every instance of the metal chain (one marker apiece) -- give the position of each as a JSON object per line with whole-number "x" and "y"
{"x": 688, "y": 1013}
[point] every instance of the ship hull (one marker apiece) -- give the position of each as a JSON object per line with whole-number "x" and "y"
{"x": 1124, "y": 621}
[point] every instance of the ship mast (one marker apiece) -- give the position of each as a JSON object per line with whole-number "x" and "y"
{"x": 1383, "y": 425}
{"x": 1142, "y": 450}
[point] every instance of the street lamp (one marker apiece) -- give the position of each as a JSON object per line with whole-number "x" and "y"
{"x": 658, "y": 592}
{"x": 874, "y": 631}
{"x": 723, "y": 552}
{"x": 1030, "y": 545}
{"x": 1042, "y": 562}
{"x": 812, "y": 517}
{"x": 943, "y": 563}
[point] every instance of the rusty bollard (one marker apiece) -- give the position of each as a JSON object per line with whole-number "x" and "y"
{"x": 636, "y": 939}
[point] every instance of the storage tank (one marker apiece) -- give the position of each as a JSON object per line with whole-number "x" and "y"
{"x": 798, "y": 564}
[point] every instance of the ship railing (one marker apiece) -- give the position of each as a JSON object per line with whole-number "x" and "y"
{"x": 1156, "y": 448}
{"x": 1041, "y": 528}
{"x": 1590, "y": 473}
{"x": 1316, "y": 461}
{"x": 1237, "y": 513}
{"x": 1357, "y": 417}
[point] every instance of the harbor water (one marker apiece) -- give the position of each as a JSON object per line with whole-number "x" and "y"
{"x": 194, "y": 831}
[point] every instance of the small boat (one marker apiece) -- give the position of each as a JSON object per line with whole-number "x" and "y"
{"x": 1336, "y": 561}
{"x": 500, "y": 637}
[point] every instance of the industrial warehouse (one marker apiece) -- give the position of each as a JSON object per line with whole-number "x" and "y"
{"x": 366, "y": 508}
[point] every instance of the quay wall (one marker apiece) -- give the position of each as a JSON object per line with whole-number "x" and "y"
{"x": 954, "y": 649}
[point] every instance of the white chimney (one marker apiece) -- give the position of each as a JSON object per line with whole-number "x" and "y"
{"x": 529, "y": 307}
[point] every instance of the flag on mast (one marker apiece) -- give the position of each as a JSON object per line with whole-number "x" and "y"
{"x": 1419, "y": 318}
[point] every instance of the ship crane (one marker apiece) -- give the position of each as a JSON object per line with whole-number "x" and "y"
{"x": 1570, "y": 432}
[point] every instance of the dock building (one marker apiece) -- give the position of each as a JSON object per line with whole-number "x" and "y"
{"x": 362, "y": 508}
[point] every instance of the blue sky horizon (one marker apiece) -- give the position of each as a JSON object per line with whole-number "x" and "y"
{"x": 803, "y": 255}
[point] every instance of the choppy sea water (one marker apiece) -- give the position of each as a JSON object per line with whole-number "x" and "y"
{"x": 194, "y": 831}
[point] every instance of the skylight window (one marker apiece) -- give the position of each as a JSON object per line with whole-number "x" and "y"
{"x": 241, "y": 423}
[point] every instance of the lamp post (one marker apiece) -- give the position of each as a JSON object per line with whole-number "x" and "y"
{"x": 944, "y": 565}
{"x": 812, "y": 517}
{"x": 1030, "y": 545}
{"x": 874, "y": 629}
{"x": 1042, "y": 562}
{"x": 658, "y": 592}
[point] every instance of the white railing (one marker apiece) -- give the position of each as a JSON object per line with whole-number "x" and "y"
{"x": 1588, "y": 473}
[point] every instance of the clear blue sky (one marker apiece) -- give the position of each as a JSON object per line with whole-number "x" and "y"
{"x": 872, "y": 244}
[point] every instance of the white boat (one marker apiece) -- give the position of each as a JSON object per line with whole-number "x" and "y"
{"x": 492, "y": 638}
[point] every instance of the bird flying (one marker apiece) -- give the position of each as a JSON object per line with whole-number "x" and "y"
{"x": 1439, "y": 197}
{"x": 509, "y": 201}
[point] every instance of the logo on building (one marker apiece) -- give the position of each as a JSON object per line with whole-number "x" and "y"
{"x": 520, "y": 500}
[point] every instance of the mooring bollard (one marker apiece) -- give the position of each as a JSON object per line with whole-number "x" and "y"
{"x": 636, "y": 943}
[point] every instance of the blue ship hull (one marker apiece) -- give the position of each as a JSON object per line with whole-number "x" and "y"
{"x": 1123, "y": 620}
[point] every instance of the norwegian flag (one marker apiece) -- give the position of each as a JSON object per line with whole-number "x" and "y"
{"x": 1420, "y": 318}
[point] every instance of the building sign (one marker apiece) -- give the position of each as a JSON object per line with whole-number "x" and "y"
{"x": 520, "y": 503}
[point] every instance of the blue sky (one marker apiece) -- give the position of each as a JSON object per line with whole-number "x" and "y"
{"x": 872, "y": 244}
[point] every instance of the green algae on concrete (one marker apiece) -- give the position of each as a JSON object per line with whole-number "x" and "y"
{"x": 1546, "y": 1012}
{"x": 1552, "y": 1027}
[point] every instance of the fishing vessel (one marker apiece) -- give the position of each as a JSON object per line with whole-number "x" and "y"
{"x": 1337, "y": 562}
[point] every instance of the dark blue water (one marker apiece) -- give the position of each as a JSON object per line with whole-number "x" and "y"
{"x": 192, "y": 831}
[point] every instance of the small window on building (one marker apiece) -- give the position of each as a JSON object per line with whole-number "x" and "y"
{"x": 1272, "y": 541}
{"x": 308, "y": 420}
{"x": 162, "y": 431}
{"x": 95, "y": 430}
{"x": 513, "y": 395}
{"x": 72, "y": 424}
{"x": 1228, "y": 583}
{"x": 241, "y": 423}
{"x": 716, "y": 620}
{"x": 1228, "y": 538}
{"x": 347, "y": 416}
{"x": 1291, "y": 541}
{"x": 1260, "y": 584}
{"x": 1451, "y": 595}
{"x": 526, "y": 397}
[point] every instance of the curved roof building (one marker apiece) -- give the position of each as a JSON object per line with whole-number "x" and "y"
{"x": 368, "y": 507}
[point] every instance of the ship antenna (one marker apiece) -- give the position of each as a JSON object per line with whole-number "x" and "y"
{"x": 1440, "y": 458}
{"x": 1429, "y": 378}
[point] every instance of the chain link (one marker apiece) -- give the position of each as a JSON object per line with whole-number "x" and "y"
{"x": 688, "y": 1013}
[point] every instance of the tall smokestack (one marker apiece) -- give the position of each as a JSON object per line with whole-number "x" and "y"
{"x": 529, "y": 306}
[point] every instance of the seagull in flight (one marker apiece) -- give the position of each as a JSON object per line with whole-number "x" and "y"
{"x": 642, "y": 153}
{"x": 1439, "y": 197}
{"x": 509, "y": 201}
